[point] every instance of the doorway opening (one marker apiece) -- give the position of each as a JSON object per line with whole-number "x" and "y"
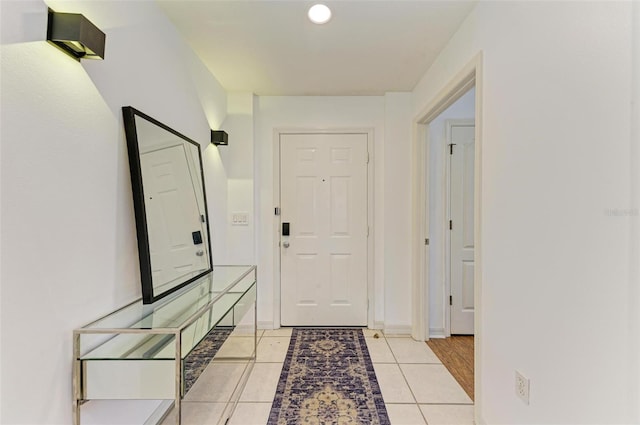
{"x": 451, "y": 221}
{"x": 447, "y": 193}
{"x": 450, "y": 213}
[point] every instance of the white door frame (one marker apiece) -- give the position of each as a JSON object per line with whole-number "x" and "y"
{"x": 447, "y": 205}
{"x": 469, "y": 76}
{"x": 370, "y": 216}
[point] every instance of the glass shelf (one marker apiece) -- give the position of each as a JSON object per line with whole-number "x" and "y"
{"x": 173, "y": 311}
{"x": 140, "y": 351}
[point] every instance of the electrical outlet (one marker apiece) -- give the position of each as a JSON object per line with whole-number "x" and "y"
{"x": 522, "y": 387}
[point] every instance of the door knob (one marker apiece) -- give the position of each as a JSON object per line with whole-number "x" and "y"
{"x": 200, "y": 253}
{"x": 285, "y": 244}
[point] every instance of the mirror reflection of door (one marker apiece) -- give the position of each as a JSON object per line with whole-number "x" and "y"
{"x": 167, "y": 181}
{"x": 174, "y": 220}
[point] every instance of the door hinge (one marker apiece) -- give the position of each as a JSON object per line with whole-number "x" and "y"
{"x": 367, "y": 231}
{"x": 277, "y": 211}
{"x": 450, "y": 224}
{"x": 426, "y": 241}
{"x": 450, "y": 300}
{"x": 367, "y": 157}
{"x": 451, "y": 145}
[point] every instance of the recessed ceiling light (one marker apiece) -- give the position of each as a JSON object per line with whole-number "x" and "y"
{"x": 319, "y": 14}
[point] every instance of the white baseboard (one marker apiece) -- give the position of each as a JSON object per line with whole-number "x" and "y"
{"x": 243, "y": 330}
{"x": 436, "y": 333}
{"x": 266, "y": 325}
{"x": 403, "y": 330}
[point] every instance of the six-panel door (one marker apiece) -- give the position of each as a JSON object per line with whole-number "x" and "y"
{"x": 323, "y": 197}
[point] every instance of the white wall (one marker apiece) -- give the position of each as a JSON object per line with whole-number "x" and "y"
{"x": 310, "y": 113}
{"x": 68, "y": 241}
{"x": 556, "y": 255}
{"x": 389, "y": 117}
{"x": 634, "y": 280}
{"x": 463, "y": 108}
{"x": 239, "y": 161}
{"x": 396, "y": 250}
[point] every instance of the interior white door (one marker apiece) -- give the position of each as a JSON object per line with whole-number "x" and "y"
{"x": 461, "y": 198}
{"x": 323, "y": 261}
{"x": 172, "y": 215}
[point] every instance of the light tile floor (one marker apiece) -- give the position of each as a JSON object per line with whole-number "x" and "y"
{"x": 416, "y": 387}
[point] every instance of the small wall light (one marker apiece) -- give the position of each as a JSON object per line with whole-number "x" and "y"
{"x": 75, "y": 35}
{"x": 219, "y": 138}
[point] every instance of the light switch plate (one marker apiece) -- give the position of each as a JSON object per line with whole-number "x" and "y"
{"x": 240, "y": 219}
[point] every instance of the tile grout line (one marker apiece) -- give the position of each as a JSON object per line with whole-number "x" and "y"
{"x": 281, "y": 363}
{"x": 411, "y": 390}
{"x": 405, "y": 380}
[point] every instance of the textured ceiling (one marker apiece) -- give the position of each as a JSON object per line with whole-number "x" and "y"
{"x": 270, "y": 48}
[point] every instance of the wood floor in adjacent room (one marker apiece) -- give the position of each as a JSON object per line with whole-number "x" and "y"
{"x": 456, "y": 353}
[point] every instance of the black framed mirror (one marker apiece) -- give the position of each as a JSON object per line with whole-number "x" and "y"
{"x": 167, "y": 179}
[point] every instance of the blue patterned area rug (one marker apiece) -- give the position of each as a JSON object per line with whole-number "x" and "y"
{"x": 328, "y": 378}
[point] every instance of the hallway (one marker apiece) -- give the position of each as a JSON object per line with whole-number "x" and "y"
{"x": 558, "y": 137}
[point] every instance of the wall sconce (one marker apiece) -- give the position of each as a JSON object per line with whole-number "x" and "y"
{"x": 75, "y": 35}
{"x": 219, "y": 138}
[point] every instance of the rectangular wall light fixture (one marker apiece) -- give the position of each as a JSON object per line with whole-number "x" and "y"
{"x": 75, "y": 35}
{"x": 219, "y": 138}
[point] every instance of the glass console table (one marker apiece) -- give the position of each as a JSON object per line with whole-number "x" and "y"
{"x": 154, "y": 351}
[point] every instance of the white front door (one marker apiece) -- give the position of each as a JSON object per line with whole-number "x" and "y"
{"x": 461, "y": 198}
{"x": 323, "y": 198}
